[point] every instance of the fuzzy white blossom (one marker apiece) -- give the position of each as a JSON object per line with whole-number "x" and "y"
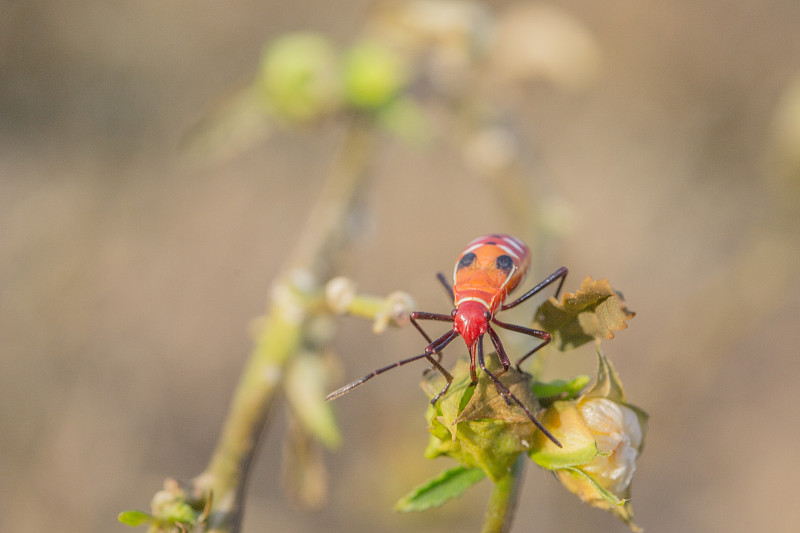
{"x": 618, "y": 435}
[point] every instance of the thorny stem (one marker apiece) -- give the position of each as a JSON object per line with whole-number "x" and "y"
{"x": 283, "y": 330}
{"x": 503, "y": 501}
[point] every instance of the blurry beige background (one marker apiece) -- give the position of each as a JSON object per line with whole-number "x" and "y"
{"x": 127, "y": 279}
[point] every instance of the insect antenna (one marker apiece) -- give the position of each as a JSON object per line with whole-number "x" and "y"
{"x": 434, "y": 347}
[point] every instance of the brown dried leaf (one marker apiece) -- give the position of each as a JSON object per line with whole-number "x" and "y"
{"x": 486, "y": 403}
{"x": 595, "y": 311}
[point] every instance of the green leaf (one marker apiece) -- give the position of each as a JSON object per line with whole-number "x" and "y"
{"x": 177, "y": 511}
{"x": 435, "y": 492}
{"x": 460, "y": 392}
{"x": 608, "y": 384}
{"x": 135, "y": 518}
{"x": 305, "y": 385}
{"x": 595, "y": 311}
{"x": 559, "y": 389}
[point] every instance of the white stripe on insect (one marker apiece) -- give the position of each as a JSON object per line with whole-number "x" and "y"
{"x": 516, "y": 243}
{"x": 508, "y": 278}
{"x": 473, "y": 299}
{"x": 471, "y": 248}
{"x": 508, "y": 250}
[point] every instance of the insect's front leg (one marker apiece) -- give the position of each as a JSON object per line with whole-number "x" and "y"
{"x": 560, "y": 274}
{"x": 501, "y": 351}
{"x": 436, "y": 348}
{"x": 421, "y": 315}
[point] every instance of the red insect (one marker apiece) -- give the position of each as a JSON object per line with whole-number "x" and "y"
{"x": 488, "y": 269}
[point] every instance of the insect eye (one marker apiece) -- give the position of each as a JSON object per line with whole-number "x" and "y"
{"x": 466, "y": 260}
{"x": 504, "y": 263}
{"x": 487, "y": 315}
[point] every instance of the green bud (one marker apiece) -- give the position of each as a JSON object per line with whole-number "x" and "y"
{"x": 135, "y": 518}
{"x": 373, "y": 75}
{"x": 474, "y": 425}
{"x": 559, "y": 389}
{"x": 299, "y": 77}
{"x": 170, "y": 511}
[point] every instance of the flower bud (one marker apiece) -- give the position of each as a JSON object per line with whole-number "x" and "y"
{"x": 299, "y": 77}
{"x": 618, "y": 435}
{"x": 602, "y": 437}
{"x": 373, "y": 75}
{"x": 474, "y": 425}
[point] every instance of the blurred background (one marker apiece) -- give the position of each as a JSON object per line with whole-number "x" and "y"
{"x": 666, "y": 161}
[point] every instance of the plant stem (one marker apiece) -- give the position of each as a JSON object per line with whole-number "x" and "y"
{"x": 294, "y": 294}
{"x": 503, "y": 501}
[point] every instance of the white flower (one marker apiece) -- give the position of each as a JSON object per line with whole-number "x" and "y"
{"x": 618, "y": 434}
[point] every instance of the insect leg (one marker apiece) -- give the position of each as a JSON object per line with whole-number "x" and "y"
{"x": 420, "y": 315}
{"x": 539, "y": 334}
{"x": 501, "y": 352}
{"x": 447, "y": 287}
{"x": 437, "y": 345}
{"x": 501, "y": 389}
{"x": 561, "y": 274}
{"x": 509, "y": 397}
